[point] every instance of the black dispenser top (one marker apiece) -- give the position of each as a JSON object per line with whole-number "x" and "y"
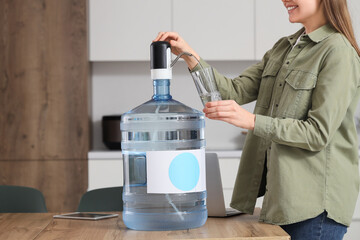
{"x": 160, "y": 55}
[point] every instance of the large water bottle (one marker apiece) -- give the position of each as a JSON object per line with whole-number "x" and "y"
{"x": 163, "y": 149}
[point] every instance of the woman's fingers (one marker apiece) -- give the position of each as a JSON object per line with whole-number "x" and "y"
{"x": 229, "y": 111}
{"x": 220, "y": 114}
{"x": 172, "y": 37}
{"x": 219, "y": 109}
{"x": 226, "y": 119}
{"x": 220, "y": 103}
{"x": 164, "y": 37}
{"x": 220, "y": 106}
{"x": 174, "y": 43}
{"x": 158, "y": 36}
{"x": 178, "y": 45}
{"x": 167, "y": 36}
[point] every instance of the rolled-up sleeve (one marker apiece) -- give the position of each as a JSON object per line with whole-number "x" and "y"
{"x": 242, "y": 89}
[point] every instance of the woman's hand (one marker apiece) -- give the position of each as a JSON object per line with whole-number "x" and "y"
{"x": 178, "y": 45}
{"x": 229, "y": 111}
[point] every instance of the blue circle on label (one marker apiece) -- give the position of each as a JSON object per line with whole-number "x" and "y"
{"x": 184, "y": 171}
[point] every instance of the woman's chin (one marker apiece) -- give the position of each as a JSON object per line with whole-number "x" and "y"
{"x": 293, "y": 20}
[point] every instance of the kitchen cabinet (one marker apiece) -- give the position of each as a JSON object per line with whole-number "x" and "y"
{"x": 105, "y": 173}
{"x": 272, "y": 23}
{"x": 217, "y": 30}
{"x": 122, "y": 30}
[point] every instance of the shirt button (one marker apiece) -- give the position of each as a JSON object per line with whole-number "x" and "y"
{"x": 276, "y": 105}
{"x": 288, "y": 62}
{"x": 280, "y": 84}
{"x": 270, "y": 147}
{"x": 299, "y": 46}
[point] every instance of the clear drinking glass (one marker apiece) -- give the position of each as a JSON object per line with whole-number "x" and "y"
{"x": 205, "y": 84}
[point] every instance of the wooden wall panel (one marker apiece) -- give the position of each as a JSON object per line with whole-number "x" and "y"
{"x": 61, "y": 181}
{"x": 43, "y": 80}
{"x": 44, "y": 119}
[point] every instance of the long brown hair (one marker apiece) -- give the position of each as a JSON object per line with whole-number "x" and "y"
{"x": 337, "y": 13}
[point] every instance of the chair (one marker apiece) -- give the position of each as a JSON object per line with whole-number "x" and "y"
{"x": 102, "y": 200}
{"x": 18, "y": 199}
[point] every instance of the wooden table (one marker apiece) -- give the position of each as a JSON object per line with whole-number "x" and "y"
{"x": 41, "y": 226}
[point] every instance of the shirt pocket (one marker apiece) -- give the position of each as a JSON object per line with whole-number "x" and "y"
{"x": 267, "y": 84}
{"x": 296, "y": 99}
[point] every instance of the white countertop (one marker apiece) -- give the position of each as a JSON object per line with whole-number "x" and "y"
{"x": 108, "y": 154}
{"x": 111, "y": 154}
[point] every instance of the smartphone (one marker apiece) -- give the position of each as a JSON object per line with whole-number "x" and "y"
{"x": 86, "y": 216}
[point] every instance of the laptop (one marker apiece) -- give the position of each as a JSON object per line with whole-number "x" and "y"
{"x": 215, "y": 196}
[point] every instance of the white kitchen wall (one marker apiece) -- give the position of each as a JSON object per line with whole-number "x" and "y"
{"x": 118, "y": 87}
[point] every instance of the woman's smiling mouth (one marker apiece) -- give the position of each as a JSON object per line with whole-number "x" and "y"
{"x": 291, "y": 8}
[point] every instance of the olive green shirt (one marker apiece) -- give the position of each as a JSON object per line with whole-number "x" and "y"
{"x": 305, "y": 133}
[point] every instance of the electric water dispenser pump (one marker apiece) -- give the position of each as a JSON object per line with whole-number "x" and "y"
{"x": 160, "y": 60}
{"x": 163, "y": 148}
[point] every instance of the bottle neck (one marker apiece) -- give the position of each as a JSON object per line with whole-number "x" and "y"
{"x": 161, "y": 89}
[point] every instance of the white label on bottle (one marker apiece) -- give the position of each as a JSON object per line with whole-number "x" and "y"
{"x": 180, "y": 171}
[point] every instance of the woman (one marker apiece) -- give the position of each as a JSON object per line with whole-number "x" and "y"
{"x": 301, "y": 151}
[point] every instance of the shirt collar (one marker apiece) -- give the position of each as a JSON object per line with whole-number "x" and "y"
{"x": 316, "y": 36}
{"x": 321, "y": 33}
{"x": 292, "y": 38}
